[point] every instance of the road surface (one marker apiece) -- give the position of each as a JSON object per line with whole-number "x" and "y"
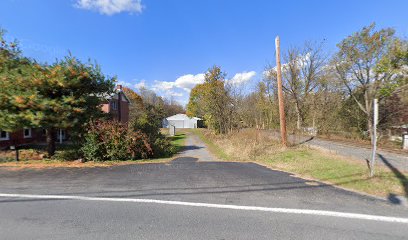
{"x": 193, "y": 197}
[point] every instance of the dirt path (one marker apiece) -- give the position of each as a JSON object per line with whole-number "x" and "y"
{"x": 196, "y": 148}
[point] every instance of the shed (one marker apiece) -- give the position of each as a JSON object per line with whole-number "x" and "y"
{"x": 182, "y": 121}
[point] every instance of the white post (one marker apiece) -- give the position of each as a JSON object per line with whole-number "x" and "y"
{"x": 172, "y": 130}
{"x": 60, "y": 136}
{"x": 374, "y": 135}
{"x": 405, "y": 141}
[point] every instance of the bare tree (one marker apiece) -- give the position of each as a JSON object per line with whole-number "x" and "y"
{"x": 302, "y": 72}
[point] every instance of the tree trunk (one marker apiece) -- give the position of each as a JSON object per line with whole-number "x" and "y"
{"x": 50, "y": 135}
{"x": 299, "y": 118}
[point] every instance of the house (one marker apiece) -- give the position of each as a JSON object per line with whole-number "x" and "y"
{"x": 116, "y": 105}
{"x": 182, "y": 121}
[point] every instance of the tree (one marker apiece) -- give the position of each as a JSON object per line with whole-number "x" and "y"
{"x": 66, "y": 94}
{"x": 136, "y": 103}
{"x": 196, "y": 104}
{"x": 301, "y": 76}
{"x": 363, "y": 66}
{"x": 212, "y": 101}
{"x": 172, "y": 107}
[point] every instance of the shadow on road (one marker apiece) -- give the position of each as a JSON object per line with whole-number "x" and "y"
{"x": 184, "y": 160}
{"x": 177, "y": 137}
{"x": 190, "y": 148}
{"x": 304, "y": 141}
{"x": 401, "y": 177}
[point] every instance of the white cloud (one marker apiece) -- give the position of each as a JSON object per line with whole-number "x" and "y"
{"x": 185, "y": 82}
{"x": 163, "y": 85}
{"x": 175, "y": 94}
{"x": 241, "y": 78}
{"x": 111, "y": 7}
{"x": 123, "y": 83}
{"x": 181, "y": 87}
{"x": 141, "y": 84}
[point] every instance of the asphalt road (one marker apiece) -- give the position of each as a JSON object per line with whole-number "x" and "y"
{"x": 124, "y": 202}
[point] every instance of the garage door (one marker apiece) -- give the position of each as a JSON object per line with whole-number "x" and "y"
{"x": 177, "y": 123}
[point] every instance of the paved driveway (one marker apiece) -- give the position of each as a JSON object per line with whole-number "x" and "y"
{"x": 189, "y": 198}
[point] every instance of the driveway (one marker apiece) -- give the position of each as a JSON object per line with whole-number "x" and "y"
{"x": 193, "y": 197}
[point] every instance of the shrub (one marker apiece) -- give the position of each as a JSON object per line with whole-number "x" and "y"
{"x": 149, "y": 123}
{"x": 67, "y": 154}
{"x": 92, "y": 148}
{"x": 163, "y": 147}
{"x": 111, "y": 140}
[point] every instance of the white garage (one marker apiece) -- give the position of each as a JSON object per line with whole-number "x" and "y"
{"x": 182, "y": 121}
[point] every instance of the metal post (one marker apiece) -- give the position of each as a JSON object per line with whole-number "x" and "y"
{"x": 374, "y": 135}
{"x": 60, "y": 136}
{"x": 14, "y": 147}
{"x": 280, "y": 94}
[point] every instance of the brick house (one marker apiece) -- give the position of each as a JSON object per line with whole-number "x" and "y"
{"x": 117, "y": 106}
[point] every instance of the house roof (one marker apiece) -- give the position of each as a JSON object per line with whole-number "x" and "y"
{"x": 182, "y": 116}
{"x": 115, "y": 95}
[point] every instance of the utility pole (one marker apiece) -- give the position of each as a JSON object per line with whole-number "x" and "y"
{"x": 280, "y": 94}
{"x": 374, "y": 136}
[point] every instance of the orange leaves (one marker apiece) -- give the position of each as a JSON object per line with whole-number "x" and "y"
{"x": 19, "y": 100}
{"x": 78, "y": 110}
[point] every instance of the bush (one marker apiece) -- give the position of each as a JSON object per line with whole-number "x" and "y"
{"x": 67, "y": 154}
{"x": 149, "y": 123}
{"x": 92, "y": 148}
{"x": 111, "y": 140}
{"x": 163, "y": 147}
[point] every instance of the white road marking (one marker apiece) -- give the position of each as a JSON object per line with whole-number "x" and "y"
{"x": 221, "y": 206}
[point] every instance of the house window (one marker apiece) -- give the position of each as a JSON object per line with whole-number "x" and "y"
{"x": 27, "y": 132}
{"x": 4, "y": 135}
{"x": 114, "y": 105}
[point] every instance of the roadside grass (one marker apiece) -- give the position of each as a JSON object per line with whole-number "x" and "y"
{"x": 30, "y": 158}
{"x": 307, "y": 163}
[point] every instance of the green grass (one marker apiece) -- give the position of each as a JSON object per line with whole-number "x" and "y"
{"x": 338, "y": 171}
{"x": 178, "y": 140}
{"x": 332, "y": 169}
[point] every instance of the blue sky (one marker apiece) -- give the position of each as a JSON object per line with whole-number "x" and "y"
{"x": 166, "y": 45}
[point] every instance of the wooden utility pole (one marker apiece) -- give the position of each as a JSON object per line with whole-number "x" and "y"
{"x": 280, "y": 94}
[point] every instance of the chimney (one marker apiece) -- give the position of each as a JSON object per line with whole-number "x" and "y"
{"x": 119, "y": 89}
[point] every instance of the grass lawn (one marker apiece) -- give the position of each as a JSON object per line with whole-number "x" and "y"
{"x": 312, "y": 164}
{"x": 178, "y": 140}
